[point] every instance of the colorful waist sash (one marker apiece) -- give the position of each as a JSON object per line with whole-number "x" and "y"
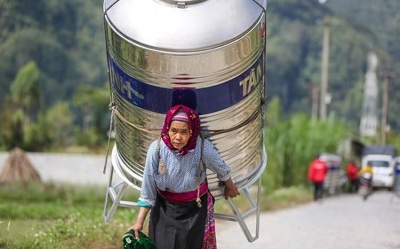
{"x": 186, "y": 196}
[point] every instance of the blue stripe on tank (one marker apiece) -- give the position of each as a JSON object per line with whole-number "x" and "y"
{"x": 204, "y": 100}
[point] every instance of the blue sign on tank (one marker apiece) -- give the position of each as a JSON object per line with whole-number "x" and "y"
{"x": 204, "y": 100}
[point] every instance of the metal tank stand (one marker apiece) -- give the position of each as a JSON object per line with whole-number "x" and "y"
{"x": 240, "y": 217}
{"x": 116, "y": 189}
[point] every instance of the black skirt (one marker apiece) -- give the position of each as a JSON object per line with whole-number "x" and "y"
{"x": 178, "y": 225}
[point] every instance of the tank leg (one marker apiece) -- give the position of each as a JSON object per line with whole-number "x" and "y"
{"x": 113, "y": 196}
{"x": 113, "y": 199}
{"x": 241, "y": 216}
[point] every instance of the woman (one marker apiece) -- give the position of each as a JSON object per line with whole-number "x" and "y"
{"x": 175, "y": 186}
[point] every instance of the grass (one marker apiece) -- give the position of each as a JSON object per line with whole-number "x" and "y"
{"x": 286, "y": 198}
{"x": 52, "y": 216}
{"x": 71, "y": 217}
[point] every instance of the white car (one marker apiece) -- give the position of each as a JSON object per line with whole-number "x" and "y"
{"x": 383, "y": 168}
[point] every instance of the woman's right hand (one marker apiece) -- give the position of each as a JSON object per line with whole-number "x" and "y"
{"x": 137, "y": 227}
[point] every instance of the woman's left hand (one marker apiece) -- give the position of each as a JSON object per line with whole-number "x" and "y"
{"x": 231, "y": 190}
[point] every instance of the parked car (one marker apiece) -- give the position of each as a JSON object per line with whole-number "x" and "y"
{"x": 383, "y": 159}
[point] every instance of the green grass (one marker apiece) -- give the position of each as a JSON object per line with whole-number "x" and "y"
{"x": 286, "y": 197}
{"x": 51, "y": 216}
{"x": 71, "y": 217}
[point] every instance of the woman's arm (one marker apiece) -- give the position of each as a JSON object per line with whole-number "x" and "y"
{"x": 138, "y": 225}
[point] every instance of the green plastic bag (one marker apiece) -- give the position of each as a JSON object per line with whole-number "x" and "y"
{"x": 130, "y": 242}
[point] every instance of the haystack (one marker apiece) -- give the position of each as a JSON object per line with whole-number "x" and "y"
{"x": 18, "y": 169}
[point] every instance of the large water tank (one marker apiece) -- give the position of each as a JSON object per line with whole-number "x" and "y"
{"x": 207, "y": 54}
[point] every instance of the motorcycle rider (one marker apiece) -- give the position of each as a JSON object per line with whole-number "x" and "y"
{"x": 366, "y": 173}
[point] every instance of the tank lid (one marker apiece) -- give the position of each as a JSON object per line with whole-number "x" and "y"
{"x": 200, "y": 24}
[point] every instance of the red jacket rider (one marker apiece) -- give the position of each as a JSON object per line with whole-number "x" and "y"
{"x": 317, "y": 171}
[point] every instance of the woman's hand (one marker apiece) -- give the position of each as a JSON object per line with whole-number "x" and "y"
{"x": 137, "y": 227}
{"x": 231, "y": 189}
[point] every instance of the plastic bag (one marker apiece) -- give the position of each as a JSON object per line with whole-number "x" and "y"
{"x": 130, "y": 242}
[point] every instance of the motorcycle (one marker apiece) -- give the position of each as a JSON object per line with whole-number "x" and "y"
{"x": 365, "y": 186}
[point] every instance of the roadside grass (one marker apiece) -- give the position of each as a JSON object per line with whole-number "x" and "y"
{"x": 270, "y": 201}
{"x": 58, "y": 216}
{"x": 71, "y": 217}
{"x": 286, "y": 198}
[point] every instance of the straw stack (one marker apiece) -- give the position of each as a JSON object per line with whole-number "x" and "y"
{"x": 18, "y": 169}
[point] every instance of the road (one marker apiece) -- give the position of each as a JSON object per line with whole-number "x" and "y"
{"x": 341, "y": 222}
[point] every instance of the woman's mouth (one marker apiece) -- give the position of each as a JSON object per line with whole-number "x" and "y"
{"x": 177, "y": 145}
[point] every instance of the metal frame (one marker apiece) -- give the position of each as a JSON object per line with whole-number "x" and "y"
{"x": 116, "y": 191}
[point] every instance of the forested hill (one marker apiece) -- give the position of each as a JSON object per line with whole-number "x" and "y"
{"x": 63, "y": 37}
{"x": 380, "y": 17}
{"x": 294, "y": 53}
{"x": 63, "y": 43}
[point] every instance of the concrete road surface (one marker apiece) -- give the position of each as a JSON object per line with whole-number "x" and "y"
{"x": 342, "y": 222}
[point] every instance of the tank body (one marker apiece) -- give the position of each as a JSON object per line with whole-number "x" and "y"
{"x": 209, "y": 55}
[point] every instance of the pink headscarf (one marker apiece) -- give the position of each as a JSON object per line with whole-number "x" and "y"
{"x": 194, "y": 127}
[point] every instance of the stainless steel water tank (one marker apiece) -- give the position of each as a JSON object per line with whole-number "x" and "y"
{"x": 207, "y": 54}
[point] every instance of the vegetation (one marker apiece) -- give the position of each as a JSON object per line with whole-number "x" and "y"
{"x": 292, "y": 143}
{"x": 54, "y": 216}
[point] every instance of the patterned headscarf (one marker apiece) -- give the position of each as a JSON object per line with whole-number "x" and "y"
{"x": 194, "y": 127}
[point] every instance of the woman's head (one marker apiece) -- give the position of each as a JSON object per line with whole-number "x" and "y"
{"x": 179, "y": 131}
{"x": 181, "y": 128}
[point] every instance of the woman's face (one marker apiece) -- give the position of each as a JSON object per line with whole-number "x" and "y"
{"x": 179, "y": 134}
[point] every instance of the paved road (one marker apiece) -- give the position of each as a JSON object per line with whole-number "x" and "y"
{"x": 343, "y": 222}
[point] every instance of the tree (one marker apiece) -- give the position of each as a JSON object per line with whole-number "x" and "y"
{"x": 12, "y": 129}
{"x": 61, "y": 129}
{"x": 273, "y": 112}
{"x": 90, "y": 100}
{"x": 93, "y": 102}
{"x": 26, "y": 92}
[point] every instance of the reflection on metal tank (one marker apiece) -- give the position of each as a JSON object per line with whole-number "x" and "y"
{"x": 206, "y": 54}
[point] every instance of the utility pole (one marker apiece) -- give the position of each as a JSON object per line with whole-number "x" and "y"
{"x": 314, "y": 103}
{"x": 314, "y": 99}
{"x": 384, "y": 106}
{"x": 324, "y": 70}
